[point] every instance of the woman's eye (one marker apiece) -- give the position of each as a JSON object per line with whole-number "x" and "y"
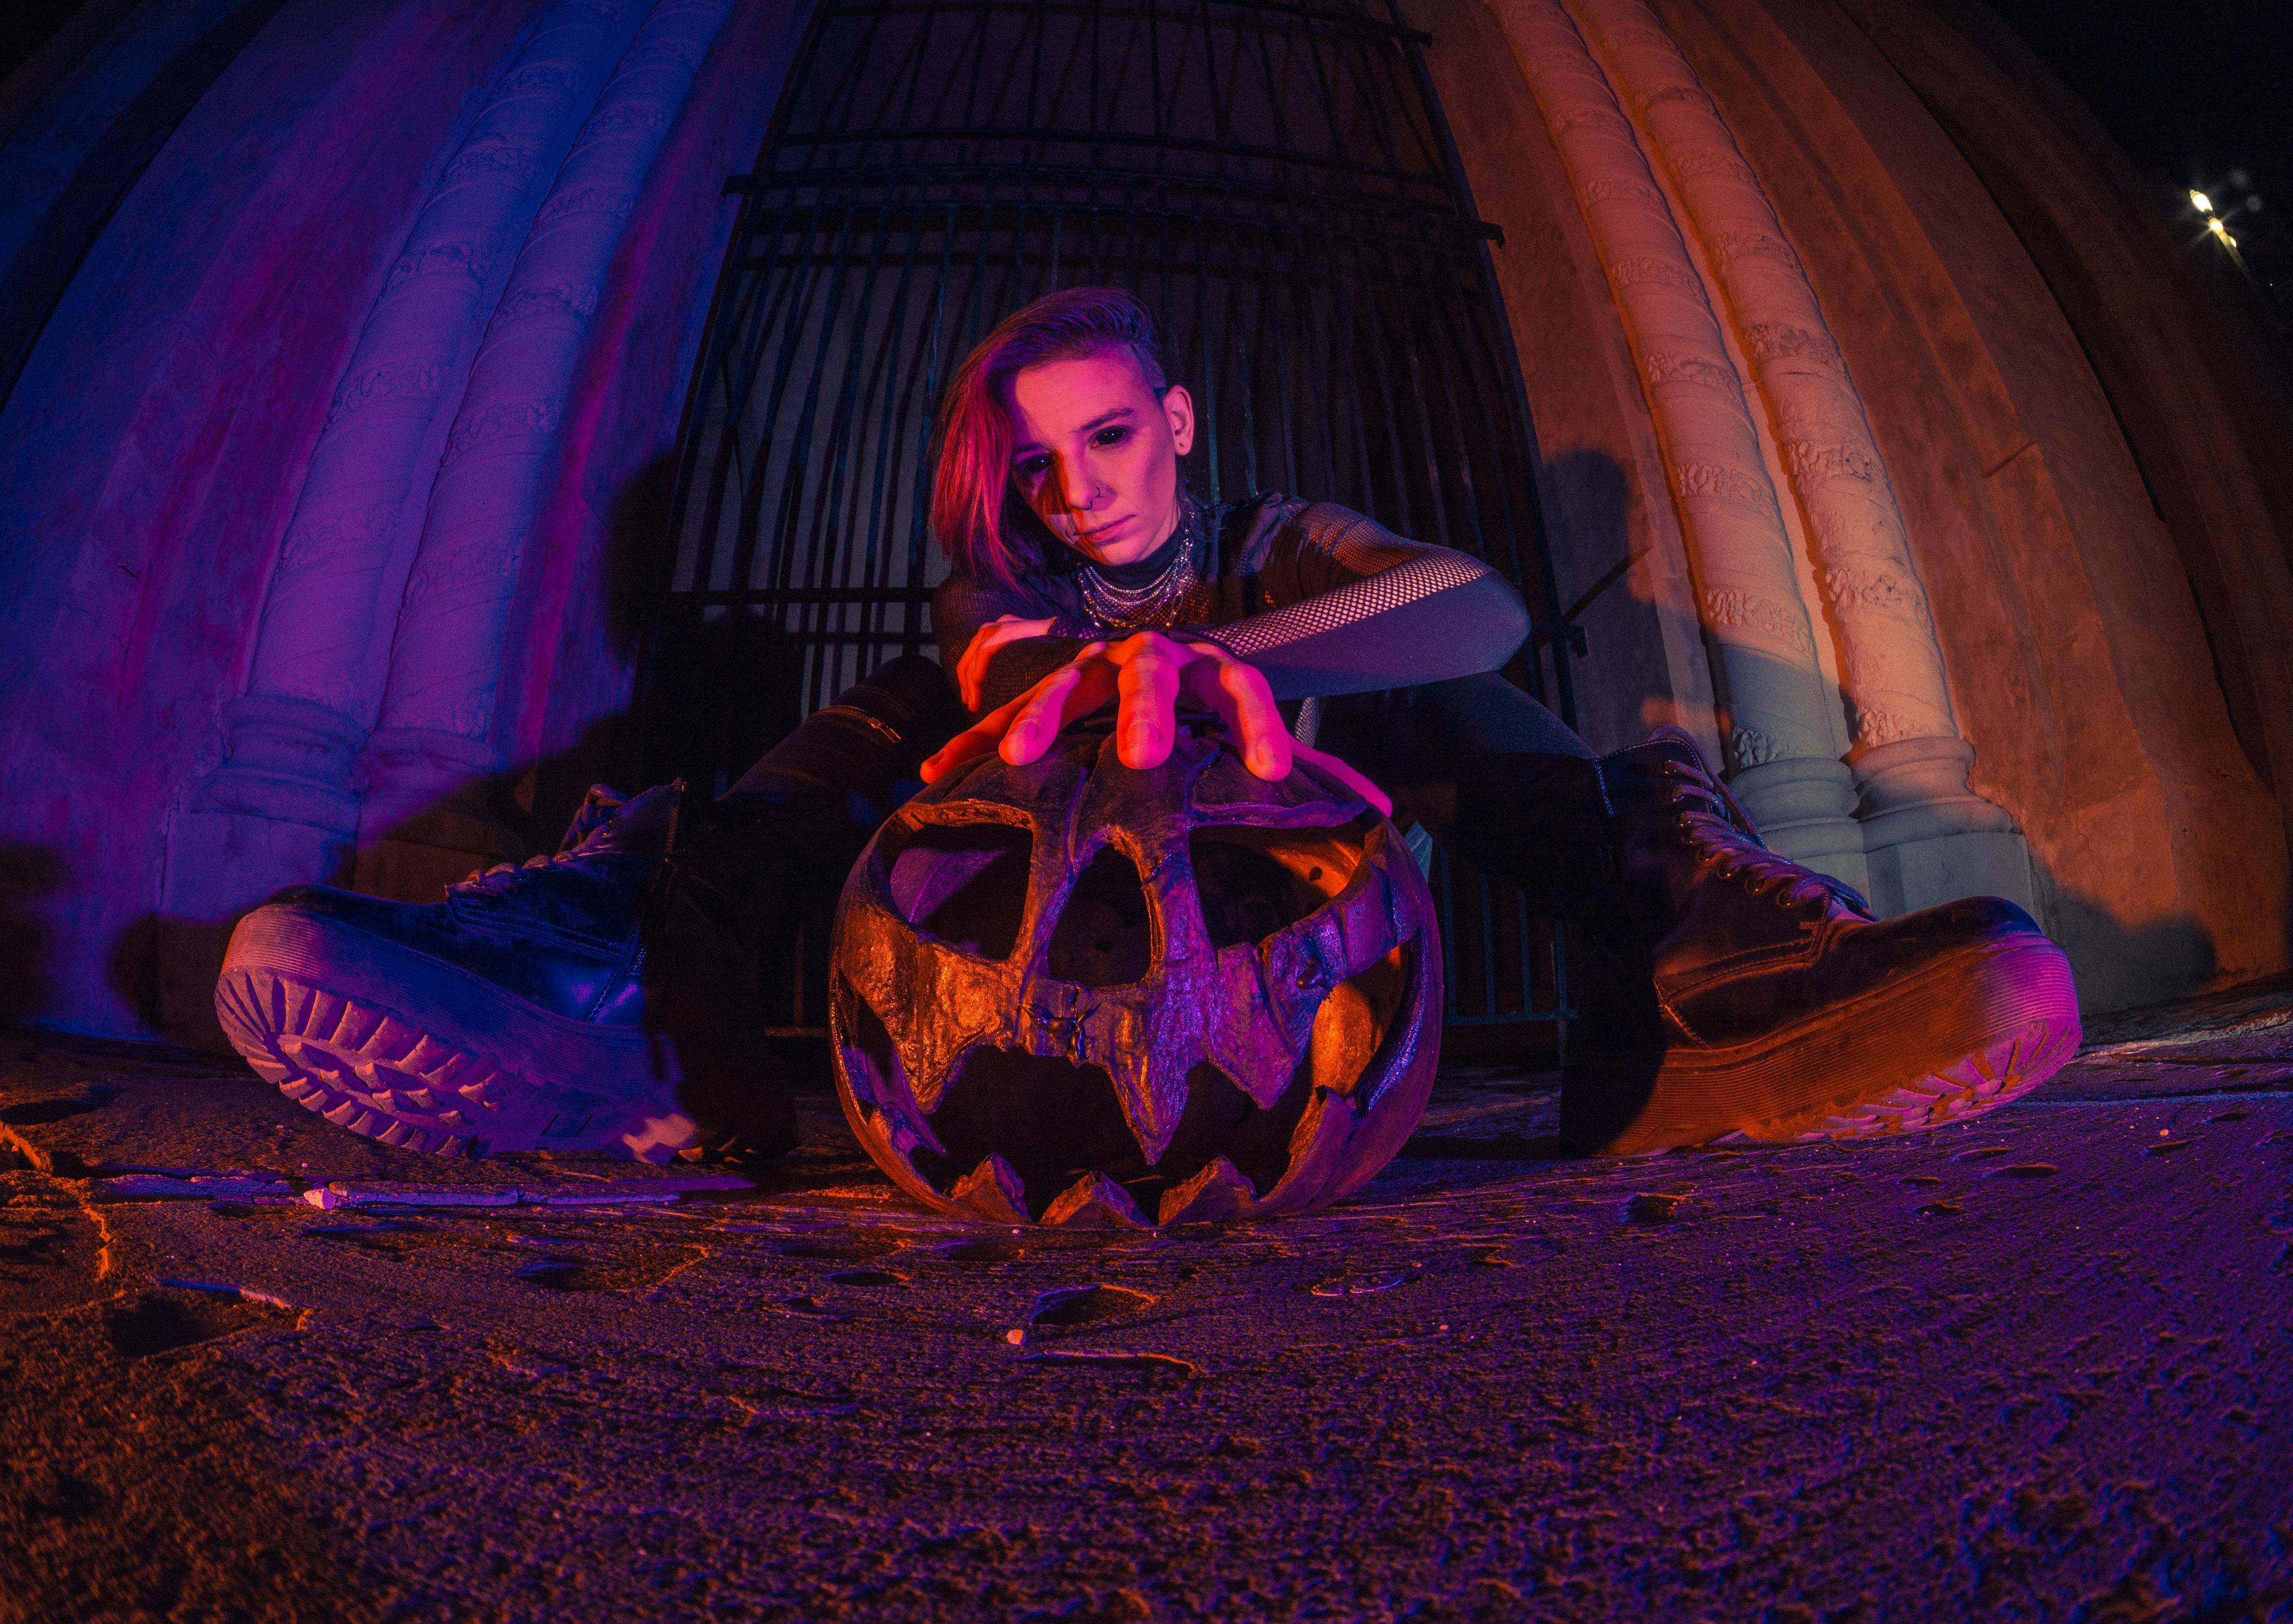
{"x": 1034, "y": 468}
{"x": 1110, "y": 437}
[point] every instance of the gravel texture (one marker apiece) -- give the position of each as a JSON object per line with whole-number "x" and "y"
{"x": 2038, "y": 1366}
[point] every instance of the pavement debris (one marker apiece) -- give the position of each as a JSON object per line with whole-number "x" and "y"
{"x": 2037, "y": 1365}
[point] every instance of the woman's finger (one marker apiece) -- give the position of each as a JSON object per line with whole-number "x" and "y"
{"x": 968, "y": 665}
{"x": 979, "y": 655}
{"x": 1040, "y": 714}
{"x": 1023, "y": 728}
{"x": 1094, "y": 685}
{"x": 979, "y": 739}
{"x": 1146, "y": 722}
{"x": 1089, "y": 684}
{"x": 1351, "y": 777}
{"x": 971, "y": 670}
{"x": 1238, "y": 692}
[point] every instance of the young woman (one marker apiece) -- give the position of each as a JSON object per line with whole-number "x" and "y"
{"x": 1730, "y": 990}
{"x": 1086, "y": 573}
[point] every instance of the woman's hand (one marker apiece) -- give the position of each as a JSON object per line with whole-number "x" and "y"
{"x": 1148, "y": 675}
{"x": 971, "y": 669}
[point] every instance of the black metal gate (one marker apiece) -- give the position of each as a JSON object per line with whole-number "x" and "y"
{"x": 1274, "y": 179}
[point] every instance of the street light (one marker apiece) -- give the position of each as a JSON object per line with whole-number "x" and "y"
{"x": 2203, "y": 204}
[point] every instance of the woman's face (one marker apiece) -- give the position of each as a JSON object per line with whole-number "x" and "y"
{"x": 1096, "y": 454}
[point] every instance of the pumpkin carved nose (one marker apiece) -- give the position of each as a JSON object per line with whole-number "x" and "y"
{"x": 1105, "y": 935}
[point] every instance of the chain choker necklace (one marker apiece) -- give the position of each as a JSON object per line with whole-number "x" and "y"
{"x": 1155, "y": 603}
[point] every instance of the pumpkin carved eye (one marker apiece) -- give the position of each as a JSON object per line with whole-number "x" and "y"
{"x": 965, "y": 883}
{"x": 1255, "y": 882}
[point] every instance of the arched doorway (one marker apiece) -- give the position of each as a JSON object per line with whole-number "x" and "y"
{"x": 1274, "y": 178}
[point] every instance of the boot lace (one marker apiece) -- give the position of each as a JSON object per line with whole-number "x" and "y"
{"x": 597, "y": 812}
{"x": 1716, "y": 823}
{"x": 503, "y": 878}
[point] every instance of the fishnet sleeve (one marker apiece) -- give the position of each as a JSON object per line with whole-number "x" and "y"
{"x": 1376, "y": 611}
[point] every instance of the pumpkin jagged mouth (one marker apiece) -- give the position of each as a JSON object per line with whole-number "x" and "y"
{"x": 1019, "y": 1138}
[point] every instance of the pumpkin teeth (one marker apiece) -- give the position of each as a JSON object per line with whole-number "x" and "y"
{"x": 992, "y": 1190}
{"x": 1153, "y": 1114}
{"x": 874, "y": 1063}
{"x": 1317, "y": 1148}
{"x": 1092, "y": 1202}
{"x": 1219, "y": 1190}
{"x": 876, "y": 1136}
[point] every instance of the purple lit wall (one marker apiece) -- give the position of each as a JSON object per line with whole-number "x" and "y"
{"x": 367, "y": 360}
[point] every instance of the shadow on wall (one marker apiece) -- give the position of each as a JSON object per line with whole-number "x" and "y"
{"x": 165, "y": 967}
{"x": 714, "y": 691}
{"x": 2121, "y": 966}
{"x": 1589, "y": 498}
{"x": 426, "y": 821}
{"x": 29, "y": 876}
{"x": 711, "y": 694}
{"x": 1623, "y": 683}
{"x": 2119, "y": 963}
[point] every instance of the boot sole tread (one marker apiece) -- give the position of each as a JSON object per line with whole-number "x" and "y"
{"x": 445, "y": 1063}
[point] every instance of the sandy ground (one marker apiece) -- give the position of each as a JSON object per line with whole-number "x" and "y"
{"x": 2039, "y": 1366}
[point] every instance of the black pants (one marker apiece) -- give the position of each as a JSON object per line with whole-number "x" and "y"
{"x": 1473, "y": 759}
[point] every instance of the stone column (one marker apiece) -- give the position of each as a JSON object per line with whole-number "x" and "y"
{"x": 294, "y": 739}
{"x": 446, "y": 662}
{"x": 1910, "y": 761}
{"x": 1777, "y": 701}
{"x": 283, "y": 806}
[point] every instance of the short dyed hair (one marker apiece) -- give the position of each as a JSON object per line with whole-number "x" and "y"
{"x": 983, "y": 525}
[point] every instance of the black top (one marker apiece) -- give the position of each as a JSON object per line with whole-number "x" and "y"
{"x": 1139, "y": 571}
{"x": 1320, "y": 599}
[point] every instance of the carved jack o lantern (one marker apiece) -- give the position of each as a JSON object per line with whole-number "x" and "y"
{"x": 1074, "y": 992}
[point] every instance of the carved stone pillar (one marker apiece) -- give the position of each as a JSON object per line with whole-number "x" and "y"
{"x": 283, "y": 807}
{"x": 1909, "y": 762}
{"x": 436, "y": 736}
{"x": 294, "y": 739}
{"x": 1776, "y": 700}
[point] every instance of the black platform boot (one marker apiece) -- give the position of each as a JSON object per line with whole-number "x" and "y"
{"x": 1739, "y": 993}
{"x": 601, "y": 997}
{"x": 1730, "y": 990}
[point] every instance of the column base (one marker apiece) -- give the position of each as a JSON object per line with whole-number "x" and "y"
{"x": 1944, "y": 867}
{"x": 279, "y": 812}
{"x": 221, "y": 865}
{"x": 1804, "y": 807}
{"x": 1930, "y": 839}
{"x": 417, "y": 871}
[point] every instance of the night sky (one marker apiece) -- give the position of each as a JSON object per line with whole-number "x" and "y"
{"x": 2195, "y": 93}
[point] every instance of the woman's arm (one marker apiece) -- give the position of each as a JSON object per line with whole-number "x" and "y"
{"x": 1360, "y": 609}
{"x": 1369, "y": 609}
